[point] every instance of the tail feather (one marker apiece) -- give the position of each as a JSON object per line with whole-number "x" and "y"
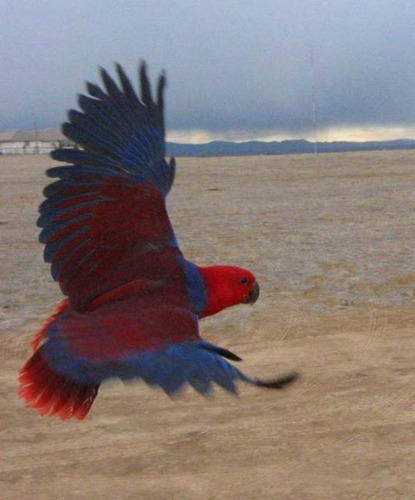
{"x": 41, "y": 334}
{"x": 53, "y": 394}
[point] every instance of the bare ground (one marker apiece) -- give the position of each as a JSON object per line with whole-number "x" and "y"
{"x": 331, "y": 240}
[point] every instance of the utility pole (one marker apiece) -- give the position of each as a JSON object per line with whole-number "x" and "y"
{"x": 313, "y": 100}
{"x": 36, "y": 138}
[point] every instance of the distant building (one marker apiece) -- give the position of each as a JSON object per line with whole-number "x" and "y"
{"x": 17, "y": 141}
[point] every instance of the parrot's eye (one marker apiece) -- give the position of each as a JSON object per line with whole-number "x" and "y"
{"x": 243, "y": 281}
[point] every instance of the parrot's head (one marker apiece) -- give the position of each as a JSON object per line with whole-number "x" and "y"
{"x": 228, "y": 286}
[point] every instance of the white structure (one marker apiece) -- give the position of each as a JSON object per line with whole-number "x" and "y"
{"x": 42, "y": 141}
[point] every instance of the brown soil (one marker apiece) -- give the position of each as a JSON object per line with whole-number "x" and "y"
{"x": 331, "y": 240}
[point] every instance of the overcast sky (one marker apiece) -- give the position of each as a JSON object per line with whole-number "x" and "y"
{"x": 237, "y": 69}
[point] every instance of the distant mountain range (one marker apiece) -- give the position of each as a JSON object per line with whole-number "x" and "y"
{"x": 223, "y": 148}
{"x": 21, "y": 141}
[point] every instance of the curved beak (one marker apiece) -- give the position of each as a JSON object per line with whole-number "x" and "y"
{"x": 253, "y": 294}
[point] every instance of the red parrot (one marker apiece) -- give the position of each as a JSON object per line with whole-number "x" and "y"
{"x": 133, "y": 300}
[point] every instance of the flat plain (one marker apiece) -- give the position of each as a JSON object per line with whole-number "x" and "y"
{"x": 331, "y": 239}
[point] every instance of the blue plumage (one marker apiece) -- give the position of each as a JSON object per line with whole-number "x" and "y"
{"x": 197, "y": 363}
{"x": 133, "y": 300}
{"x": 119, "y": 130}
{"x": 52, "y": 228}
{"x": 52, "y": 248}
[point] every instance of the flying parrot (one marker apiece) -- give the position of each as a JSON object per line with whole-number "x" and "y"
{"x": 133, "y": 301}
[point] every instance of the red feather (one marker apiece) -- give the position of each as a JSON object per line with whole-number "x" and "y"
{"x": 49, "y": 392}
{"x": 53, "y": 394}
{"x": 139, "y": 322}
{"x": 40, "y": 336}
{"x": 126, "y": 230}
{"x": 132, "y": 297}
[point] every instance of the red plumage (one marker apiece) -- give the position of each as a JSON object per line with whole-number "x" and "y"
{"x": 53, "y": 394}
{"x": 133, "y": 300}
{"x": 40, "y": 336}
{"x": 47, "y": 391}
{"x": 116, "y": 246}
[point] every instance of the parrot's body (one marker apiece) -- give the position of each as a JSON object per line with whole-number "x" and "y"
{"x": 133, "y": 300}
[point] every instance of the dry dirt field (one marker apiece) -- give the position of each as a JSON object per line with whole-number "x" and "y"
{"x": 331, "y": 240}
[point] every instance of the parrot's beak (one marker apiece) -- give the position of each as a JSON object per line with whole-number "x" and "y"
{"x": 253, "y": 294}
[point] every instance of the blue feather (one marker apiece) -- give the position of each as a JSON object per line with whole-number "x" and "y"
{"x": 95, "y": 91}
{"x": 50, "y": 208}
{"x": 169, "y": 369}
{"x": 58, "y": 266}
{"x": 59, "y": 187}
{"x": 119, "y": 130}
{"x": 195, "y": 285}
{"x": 49, "y": 215}
{"x": 77, "y": 156}
{"x": 52, "y": 228}
{"x": 52, "y": 248}
{"x": 68, "y": 172}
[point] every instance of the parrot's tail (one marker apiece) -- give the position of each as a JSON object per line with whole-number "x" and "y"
{"x": 49, "y": 392}
{"x": 53, "y": 394}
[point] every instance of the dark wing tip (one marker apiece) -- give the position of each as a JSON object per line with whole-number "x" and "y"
{"x": 146, "y": 96}
{"x": 160, "y": 89}
{"x": 280, "y": 382}
{"x": 225, "y": 353}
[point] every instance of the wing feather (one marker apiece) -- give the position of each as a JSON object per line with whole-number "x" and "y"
{"x": 133, "y": 300}
{"x": 105, "y": 214}
{"x": 161, "y": 345}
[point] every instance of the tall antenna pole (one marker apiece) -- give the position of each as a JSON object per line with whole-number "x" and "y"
{"x": 36, "y": 138}
{"x": 313, "y": 100}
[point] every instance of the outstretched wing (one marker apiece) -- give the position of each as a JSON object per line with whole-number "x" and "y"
{"x": 133, "y": 299}
{"x": 148, "y": 336}
{"x": 104, "y": 221}
{"x": 160, "y": 345}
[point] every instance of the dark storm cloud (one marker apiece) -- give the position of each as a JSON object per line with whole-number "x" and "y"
{"x": 231, "y": 65}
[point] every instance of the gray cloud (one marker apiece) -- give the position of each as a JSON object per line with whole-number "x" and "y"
{"x": 231, "y": 65}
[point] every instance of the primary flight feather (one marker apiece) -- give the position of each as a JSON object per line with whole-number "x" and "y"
{"x": 133, "y": 300}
